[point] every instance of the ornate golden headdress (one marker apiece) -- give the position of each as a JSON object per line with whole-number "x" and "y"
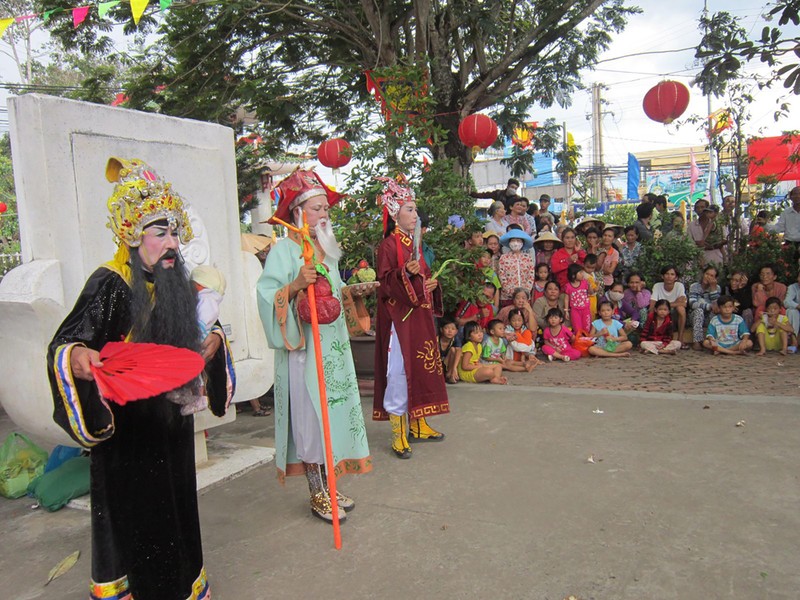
{"x": 140, "y": 198}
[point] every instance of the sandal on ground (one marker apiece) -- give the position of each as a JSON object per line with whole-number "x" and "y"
{"x": 263, "y": 412}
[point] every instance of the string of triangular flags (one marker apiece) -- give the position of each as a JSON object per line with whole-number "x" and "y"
{"x": 79, "y": 13}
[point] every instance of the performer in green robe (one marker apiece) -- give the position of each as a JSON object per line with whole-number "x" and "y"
{"x": 304, "y": 198}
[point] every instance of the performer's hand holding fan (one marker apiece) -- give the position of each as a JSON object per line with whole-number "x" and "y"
{"x": 134, "y": 371}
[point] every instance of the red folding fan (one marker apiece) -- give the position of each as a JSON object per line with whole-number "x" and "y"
{"x": 133, "y": 371}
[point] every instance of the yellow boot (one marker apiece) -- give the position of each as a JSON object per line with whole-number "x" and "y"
{"x": 420, "y": 431}
{"x": 399, "y": 441}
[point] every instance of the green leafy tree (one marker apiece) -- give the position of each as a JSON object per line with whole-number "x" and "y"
{"x": 9, "y": 222}
{"x": 300, "y": 65}
{"x": 726, "y": 47}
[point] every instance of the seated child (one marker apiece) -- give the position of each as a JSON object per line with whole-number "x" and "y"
{"x": 469, "y": 367}
{"x": 595, "y": 278}
{"x": 610, "y": 338}
{"x": 658, "y": 329}
{"x": 495, "y": 349}
{"x": 542, "y": 277}
{"x": 520, "y": 339}
{"x": 558, "y": 339}
{"x": 727, "y": 332}
{"x": 774, "y": 330}
{"x": 449, "y": 349}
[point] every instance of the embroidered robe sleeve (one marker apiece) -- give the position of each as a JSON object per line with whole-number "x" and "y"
{"x": 277, "y": 311}
{"x": 101, "y": 314}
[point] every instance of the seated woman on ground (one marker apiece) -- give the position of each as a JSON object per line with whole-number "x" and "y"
{"x": 470, "y": 368}
{"x": 495, "y": 349}
{"x": 610, "y": 338}
{"x": 558, "y": 338}
{"x": 674, "y": 292}
{"x": 792, "y": 305}
{"x": 766, "y": 287}
{"x": 449, "y": 349}
{"x": 727, "y": 332}
{"x": 636, "y": 299}
{"x": 774, "y": 331}
{"x": 519, "y": 301}
{"x": 657, "y": 332}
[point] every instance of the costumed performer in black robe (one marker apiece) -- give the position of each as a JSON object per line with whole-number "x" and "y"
{"x": 145, "y": 526}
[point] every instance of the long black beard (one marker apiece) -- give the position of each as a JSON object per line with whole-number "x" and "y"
{"x": 168, "y": 318}
{"x": 171, "y": 316}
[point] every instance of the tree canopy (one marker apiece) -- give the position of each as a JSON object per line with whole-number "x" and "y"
{"x": 301, "y": 65}
{"x": 726, "y": 47}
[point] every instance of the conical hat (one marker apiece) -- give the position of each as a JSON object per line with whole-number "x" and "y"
{"x": 547, "y": 236}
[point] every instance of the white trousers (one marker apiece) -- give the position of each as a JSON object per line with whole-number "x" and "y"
{"x": 395, "y": 398}
{"x": 306, "y": 431}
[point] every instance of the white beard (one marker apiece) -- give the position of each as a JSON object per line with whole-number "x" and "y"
{"x": 327, "y": 240}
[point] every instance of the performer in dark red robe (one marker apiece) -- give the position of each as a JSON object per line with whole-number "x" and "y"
{"x": 408, "y": 371}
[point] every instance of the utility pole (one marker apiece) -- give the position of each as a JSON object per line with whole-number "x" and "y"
{"x": 598, "y": 169}
{"x": 568, "y": 177}
{"x": 712, "y": 154}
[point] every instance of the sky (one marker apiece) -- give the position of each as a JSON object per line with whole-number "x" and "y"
{"x": 665, "y": 27}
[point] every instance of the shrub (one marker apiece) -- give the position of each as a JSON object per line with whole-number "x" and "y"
{"x": 679, "y": 251}
{"x": 769, "y": 250}
{"x": 624, "y": 214}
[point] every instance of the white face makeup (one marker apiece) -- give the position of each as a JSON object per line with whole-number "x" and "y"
{"x": 406, "y": 218}
{"x": 157, "y": 240}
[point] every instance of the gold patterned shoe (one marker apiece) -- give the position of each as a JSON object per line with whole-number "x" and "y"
{"x": 420, "y": 431}
{"x": 321, "y": 507}
{"x": 345, "y": 502}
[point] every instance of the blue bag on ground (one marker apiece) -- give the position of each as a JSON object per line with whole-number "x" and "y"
{"x": 55, "y": 489}
{"x": 59, "y": 455}
{"x": 21, "y": 461}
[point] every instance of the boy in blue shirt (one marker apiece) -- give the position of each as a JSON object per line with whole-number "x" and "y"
{"x": 727, "y": 332}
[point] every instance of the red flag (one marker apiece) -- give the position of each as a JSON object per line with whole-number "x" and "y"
{"x": 79, "y": 15}
{"x": 777, "y": 157}
{"x": 694, "y": 173}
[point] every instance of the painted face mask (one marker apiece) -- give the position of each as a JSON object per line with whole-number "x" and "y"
{"x": 515, "y": 245}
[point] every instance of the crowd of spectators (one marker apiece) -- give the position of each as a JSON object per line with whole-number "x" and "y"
{"x": 564, "y": 292}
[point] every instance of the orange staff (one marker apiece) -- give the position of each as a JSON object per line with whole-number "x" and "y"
{"x": 308, "y": 256}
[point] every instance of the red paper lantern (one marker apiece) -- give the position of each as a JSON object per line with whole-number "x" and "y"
{"x": 477, "y": 131}
{"x": 334, "y": 153}
{"x": 666, "y": 101}
{"x": 3, "y": 207}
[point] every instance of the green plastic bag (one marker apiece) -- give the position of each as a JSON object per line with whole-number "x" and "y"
{"x": 56, "y": 488}
{"x": 21, "y": 461}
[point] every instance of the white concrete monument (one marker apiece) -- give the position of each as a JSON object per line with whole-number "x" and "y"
{"x": 60, "y": 148}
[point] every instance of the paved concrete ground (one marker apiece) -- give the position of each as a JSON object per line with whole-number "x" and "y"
{"x": 680, "y": 503}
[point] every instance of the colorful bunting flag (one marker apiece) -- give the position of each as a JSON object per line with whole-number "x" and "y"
{"x": 137, "y": 8}
{"x": 165, "y": 4}
{"x": 25, "y": 17}
{"x": 4, "y": 23}
{"x": 104, "y": 7}
{"x": 79, "y": 15}
{"x": 48, "y": 13}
